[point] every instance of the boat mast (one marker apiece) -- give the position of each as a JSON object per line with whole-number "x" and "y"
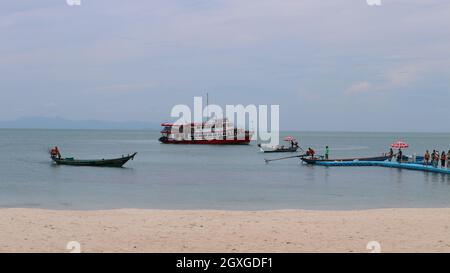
{"x": 207, "y": 103}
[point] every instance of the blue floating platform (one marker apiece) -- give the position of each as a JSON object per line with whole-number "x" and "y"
{"x": 387, "y": 164}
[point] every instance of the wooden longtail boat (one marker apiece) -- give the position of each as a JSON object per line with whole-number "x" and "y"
{"x": 292, "y": 148}
{"x": 115, "y": 162}
{"x": 309, "y": 160}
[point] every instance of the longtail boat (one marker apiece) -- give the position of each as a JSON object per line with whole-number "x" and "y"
{"x": 115, "y": 162}
{"x": 309, "y": 160}
{"x": 277, "y": 149}
{"x": 281, "y": 148}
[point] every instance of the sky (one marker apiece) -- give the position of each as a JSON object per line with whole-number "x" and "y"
{"x": 331, "y": 65}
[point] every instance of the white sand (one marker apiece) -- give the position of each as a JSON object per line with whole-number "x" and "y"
{"x": 133, "y": 230}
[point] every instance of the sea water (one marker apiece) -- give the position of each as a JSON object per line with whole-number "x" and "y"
{"x": 165, "y": 176}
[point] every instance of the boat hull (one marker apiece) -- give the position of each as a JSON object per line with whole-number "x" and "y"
{"x": 207, "y": 142}
{"x": 286, "y": 150}
{"x": 115, "y": 162}
{"x": 314, "y": 161}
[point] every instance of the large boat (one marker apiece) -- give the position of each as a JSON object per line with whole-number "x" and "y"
{"x": 115, "y": 162}
{"x": 215, "y": 131}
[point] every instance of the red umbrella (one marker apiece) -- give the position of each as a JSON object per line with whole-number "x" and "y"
{"x": 399, "y": 145}
{"x": 289, "y": 138}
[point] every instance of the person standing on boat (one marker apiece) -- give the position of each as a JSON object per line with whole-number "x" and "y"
{"x": 426, "y": 158}
{"x": 399, "y": 156}
{"x": 327, "y": 152}
{"x": 311, "y": 152}
{"x": 443, "y": 159}
{"x": 391, "y": 154}
{"x": 55, "y": 152}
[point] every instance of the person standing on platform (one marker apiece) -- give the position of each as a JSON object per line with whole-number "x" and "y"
{"x": 426, "y": 158}
{"x": 436, "y": 159}
{"x": 448, "y": 159}
{"x": 443, "y": 159}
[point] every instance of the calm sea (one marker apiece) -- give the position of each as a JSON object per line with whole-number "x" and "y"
{"x": 210, "y": 177}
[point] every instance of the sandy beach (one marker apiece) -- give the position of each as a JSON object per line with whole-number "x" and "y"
{"x": 134, "y": 230}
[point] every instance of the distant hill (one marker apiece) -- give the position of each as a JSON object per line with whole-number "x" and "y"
{"x": 61, "y": 123}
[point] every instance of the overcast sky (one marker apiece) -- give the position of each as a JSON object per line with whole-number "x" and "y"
{"x": 329, "y": 64}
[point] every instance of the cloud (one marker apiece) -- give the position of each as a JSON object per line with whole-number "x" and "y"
{"x": 358, "y": 88}
{"x": 394, "y": 79}
{"x": 309, "y": 96}
{"x": 404, "y": 75}
{"x": 245, "y": 50}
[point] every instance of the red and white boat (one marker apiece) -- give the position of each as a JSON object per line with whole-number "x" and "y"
{"x": 217, "y": 132}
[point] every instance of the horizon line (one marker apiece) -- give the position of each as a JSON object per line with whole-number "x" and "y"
{"x": 157, "y": 130}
